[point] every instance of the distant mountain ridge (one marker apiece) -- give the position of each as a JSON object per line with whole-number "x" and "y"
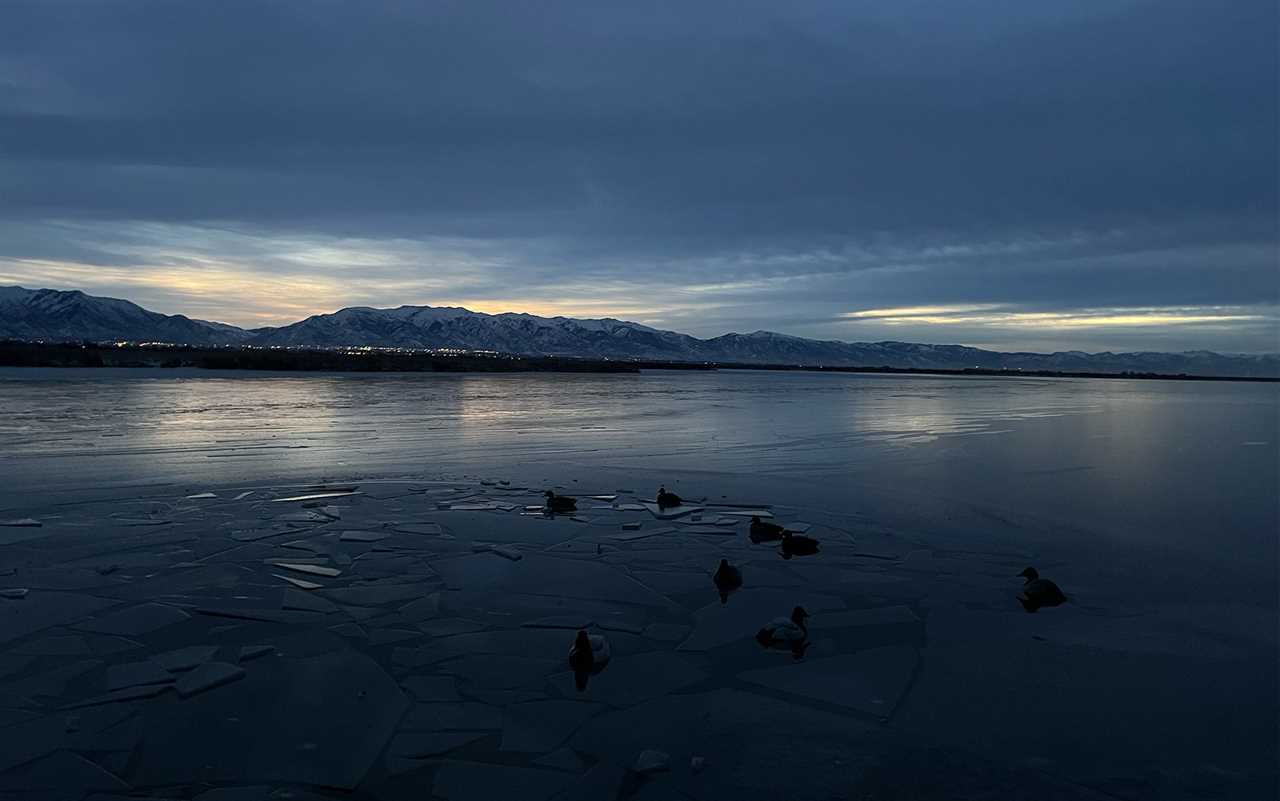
{"x": 53, "y": 315}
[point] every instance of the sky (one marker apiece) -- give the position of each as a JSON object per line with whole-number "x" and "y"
{"x": 1086, "y": 175}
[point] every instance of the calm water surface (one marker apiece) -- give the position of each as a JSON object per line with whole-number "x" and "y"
{"x": 1188, "y": 465}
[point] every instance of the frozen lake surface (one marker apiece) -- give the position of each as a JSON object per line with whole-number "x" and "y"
{"x": 412, "y": 636}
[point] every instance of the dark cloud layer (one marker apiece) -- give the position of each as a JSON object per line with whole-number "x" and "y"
{"x": 798, "y": 160}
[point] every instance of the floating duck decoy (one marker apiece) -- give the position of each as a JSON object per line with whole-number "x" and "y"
{"x": 786, "y": 633}
{"x": 797, "y": 545}
{"x": 765, "y": 532}
{"x": 1038, "y": 592}
{"x": 666, "y": 500}
{"x": 588, "y": 656}
{"x": 728, "y": 579}
{"x": 560, "y": 503}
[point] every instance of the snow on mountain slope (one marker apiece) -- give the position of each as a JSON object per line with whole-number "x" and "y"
{"x": 47, "y": 314}
{"x": 52, "y": 315}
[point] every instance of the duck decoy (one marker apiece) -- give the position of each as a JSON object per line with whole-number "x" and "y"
{"x": 1038, "y": 592}
{"x": 728, "y": 579}
{"x": 588, "y": 656}
{"x": 765, "y": 532}
{"x": 560, "y": 503}
{"x": 797, "y": 545}
{"x": 786, "y": 633}
{"x": 666, "y": 500}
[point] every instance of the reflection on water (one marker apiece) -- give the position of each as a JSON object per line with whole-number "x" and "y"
{"x": 1159, "y": 460}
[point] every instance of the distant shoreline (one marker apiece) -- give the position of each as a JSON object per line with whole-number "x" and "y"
{"x": 357, "y": 360}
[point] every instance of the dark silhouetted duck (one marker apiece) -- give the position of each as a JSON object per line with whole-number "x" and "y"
{"x": 728, "y": 579}
{"x": 765, "y": 532}
{"x": 1038, "y": 592}
{"x": 786, "y": 633}
{"x": 797, "y": 545}
{"x": 668, "y": 499}
{"x": 587, "y": 657}
{"x": 560, "y": 503}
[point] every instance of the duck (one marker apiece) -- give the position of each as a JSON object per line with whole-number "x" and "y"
{"x": 728, "y": 579}
{"x": 588, "y": 656}
{"x": 764, "y": 532}
{"x": 797, "y": 545}
{"x": 786, "y": 633}
{"x": 1038, "y": 592}
{"x": 668, "y": 499}
{"x": 560, "y": 503}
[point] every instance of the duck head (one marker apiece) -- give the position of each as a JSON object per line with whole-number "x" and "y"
{"x": 798, "y": 616}
{"x": 754, "y": 520}
{"x": 549, "y": 494}
{"x": 581, "y": 642}
{"x": 1030, "y": 574}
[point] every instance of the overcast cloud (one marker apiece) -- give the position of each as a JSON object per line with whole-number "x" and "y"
{"x": 1099, "y": 174}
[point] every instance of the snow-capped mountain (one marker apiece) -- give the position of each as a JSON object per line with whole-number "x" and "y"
{"x": 52, "y": 315}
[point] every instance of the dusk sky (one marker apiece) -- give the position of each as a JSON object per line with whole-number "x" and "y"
{"x": 1094, "y": 174}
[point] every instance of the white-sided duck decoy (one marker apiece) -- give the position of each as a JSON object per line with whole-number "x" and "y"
{"x": 797, "y": 545}
{"x": 1038, "y": 592}
{"x": 727, "y": 578}
{"x": 666, "y": 500}
{"x": 560, "y": 503}
{"x": 762, "y": 531}
{"x": 790, "y": 634}
{"x": 588, "y": 656}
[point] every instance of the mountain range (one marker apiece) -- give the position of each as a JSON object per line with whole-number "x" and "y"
{"x": 54, "y": 315}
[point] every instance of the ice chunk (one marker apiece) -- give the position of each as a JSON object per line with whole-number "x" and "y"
{"x": 207, "y": 677}
{"x": 315, "y": 496}
{"x": 651, "y": 761}
{"x": 666, "y": 632}
{"x": 201, "y": 496}
{"x": 445, "y": 716}
{"x": 186, "y": 658}
{"x": 473, "y": 781}
{"x": 446, "y": 626}
{"x": 71, "y": 645}
{"x": 420, "y": 744}
{"x": 870, "y": 681}
{"x": 277, "y": 725}
{"x": 559, "y": 622}
{"x": 315, "y": 570}
{"x": 306, "y": 602}
{"x": 389, "y": 636}
{"x": 250, "y": 652}
{"x": 132, "y": 674}
{"x": 136, "y": 620}
{"x": 744, "y": 513}
{"x": 349, "y": 630}
{"x": 632, "y": 679}
{"x": 62, "y": 774}
{"x": 561, "y": 759}
{"x": 355, "y": 535}
{"x": 798, "y": 528}
{"x": 22, "y": 522}
{"x": 432, "y": 688}
{"x": 117, "y": 696}
{"x": 857, "y": 618}
{"x": 419, "y": 528}
{"x": 669, "y": 512}
{"x": 44, "y": 609}
{"x": 244, "y": 793}
{"x": 375, "y": 594}
{"x": 540, "y": 726}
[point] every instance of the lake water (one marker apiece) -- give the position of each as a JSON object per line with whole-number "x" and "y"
{"x": 1186, "y": 466}
{"x": 1153, "y": 503}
